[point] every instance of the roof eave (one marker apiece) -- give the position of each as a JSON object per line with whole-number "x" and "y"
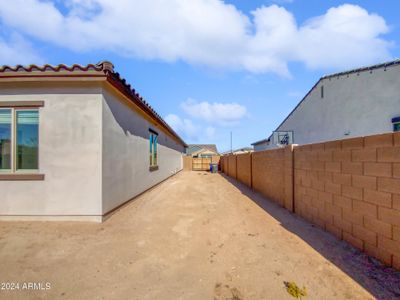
{"x": 260, "y": 142}
{"x": 120, "y": 86}
{"x": 102, "y": 72}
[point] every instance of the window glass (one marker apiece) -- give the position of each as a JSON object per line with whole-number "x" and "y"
{"x": 155, "y": 150}
{"x": 5, "y": 139}
{"x": 396, "y": 127}
{"x": 27, "y": 139}
{"x": 151, "y": 149}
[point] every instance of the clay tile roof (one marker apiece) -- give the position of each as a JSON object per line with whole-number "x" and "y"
{"x": 101, "y": 69}
{"x": 49, "y": 68}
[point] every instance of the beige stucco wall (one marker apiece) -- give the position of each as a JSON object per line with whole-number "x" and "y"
{"x": 126, "y": 152}
{"x": 69, "y": 154}
{"x": 93, "y": 151}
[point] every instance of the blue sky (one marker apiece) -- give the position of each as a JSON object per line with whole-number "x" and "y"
{"x": 208, "y": 67}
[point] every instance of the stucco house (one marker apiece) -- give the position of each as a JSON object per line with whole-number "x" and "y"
{"x": 202, "y": 150}
{"x": 359, "y": 102}
{"x": 238, "y": 151}
{"x": 261, "y": 145}
{"x": 76, "y": 142}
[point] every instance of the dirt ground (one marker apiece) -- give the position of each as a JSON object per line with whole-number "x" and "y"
{"x": 195, "y": 236}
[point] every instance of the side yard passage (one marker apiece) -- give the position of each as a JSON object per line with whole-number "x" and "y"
{"x": 196, "y": 236}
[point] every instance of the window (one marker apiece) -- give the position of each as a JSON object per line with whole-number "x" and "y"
{"x": 322, "y": 91}
{"x": 153, "y": 150}
{"x": 19, "y": 136}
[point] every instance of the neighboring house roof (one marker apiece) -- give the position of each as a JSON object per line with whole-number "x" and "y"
{"x": 193, "y": 148}
{"x": 104, "y": 69}
{"x": 358, "y": 70}
{"x": 245, "y": 149}
{"x": 363, "y": 69}
{"x": 241, "y": 150}
{"x": 261, "y": 142}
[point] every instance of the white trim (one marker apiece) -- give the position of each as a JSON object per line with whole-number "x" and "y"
{"x": 16, "y": 218}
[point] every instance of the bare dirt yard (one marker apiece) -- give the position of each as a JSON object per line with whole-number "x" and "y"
{"x": 195, "y": 236}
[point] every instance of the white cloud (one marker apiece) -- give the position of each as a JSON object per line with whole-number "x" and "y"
{"x": 205, "y": 32}
{"x": 210, "y": 132}
{"x": 16, "y": 50}
{"x": 190, "y": 131}
{"x": 204, "y": 119}
{"x": 348, "y": 27}
{"x": 224, "y": 114}
{"x": 183, "y": 127}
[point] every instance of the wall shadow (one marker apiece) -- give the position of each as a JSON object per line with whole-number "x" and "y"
{"x": 119, "y": 117}
{"x": 381, "y": 281}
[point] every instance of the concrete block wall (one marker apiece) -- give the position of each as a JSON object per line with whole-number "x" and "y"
{"x": 269, "y": 174}
{"x": 223, "y": 164}
{"x": 243, "y": 162}
{"x": 351, "y": 188}
{"x": 232, "y": 166}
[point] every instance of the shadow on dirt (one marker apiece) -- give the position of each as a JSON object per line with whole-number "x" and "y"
{"x": 381, "y": 281}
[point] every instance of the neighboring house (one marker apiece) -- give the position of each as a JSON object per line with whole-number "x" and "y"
{"x": 202, "y": 150}
{"x": 355, "y": 103}
{"x": 261, "y": 145}
{"x": 77, "y": 142}
{"x": 239, "y": 151}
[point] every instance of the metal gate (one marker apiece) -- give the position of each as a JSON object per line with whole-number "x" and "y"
{"x": 201, "y": 163}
